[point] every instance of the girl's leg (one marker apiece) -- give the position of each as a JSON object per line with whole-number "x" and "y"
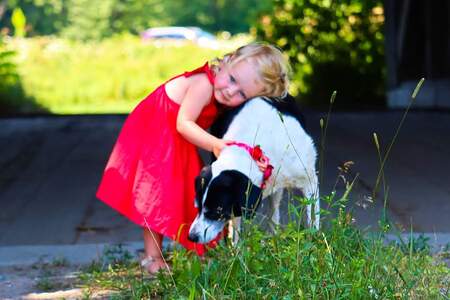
{"x": 153, "y": 251}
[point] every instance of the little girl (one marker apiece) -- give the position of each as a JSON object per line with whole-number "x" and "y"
{"x": 150, "y": 174}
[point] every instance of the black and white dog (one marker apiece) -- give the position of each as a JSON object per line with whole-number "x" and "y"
{"x": 230, "y": 186}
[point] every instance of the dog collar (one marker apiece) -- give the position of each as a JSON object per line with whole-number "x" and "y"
{"x": 258, "y": 155}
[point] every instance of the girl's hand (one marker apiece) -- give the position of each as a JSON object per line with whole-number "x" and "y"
{"x": 219, "y": 145}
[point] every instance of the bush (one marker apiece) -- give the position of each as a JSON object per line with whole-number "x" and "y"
{"x": 8, "y": 74}
{"x": 12, "y": 95}
{"x": 332, "y": 45}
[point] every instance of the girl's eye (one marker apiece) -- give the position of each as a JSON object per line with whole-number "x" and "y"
{"x": 232, "y": 79}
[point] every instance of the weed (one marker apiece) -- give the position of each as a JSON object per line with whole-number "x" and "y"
{"x": 116, "y": 254}
{"x": 415, "y": 244}
{"x": 44, "y": 282}
{"x": 60, "y": 261}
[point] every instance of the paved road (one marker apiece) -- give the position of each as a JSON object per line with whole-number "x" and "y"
{"x": 50, "y": 168}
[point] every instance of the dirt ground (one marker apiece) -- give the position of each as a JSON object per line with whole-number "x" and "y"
{"x": 44, "y": 281}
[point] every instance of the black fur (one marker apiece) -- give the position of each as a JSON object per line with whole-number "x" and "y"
{"x": 286, "y": 106}
{"x": 201, "y": 182}
{"x": 231, "y": 194}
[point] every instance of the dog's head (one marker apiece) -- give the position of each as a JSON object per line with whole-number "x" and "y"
{"x": 229, "y": 194}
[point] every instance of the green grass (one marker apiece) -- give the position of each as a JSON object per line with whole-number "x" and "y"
{"x": 111, "y": 76}
{"x": 337, "y": 262}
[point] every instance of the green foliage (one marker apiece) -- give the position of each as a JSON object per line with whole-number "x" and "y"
{"x": 332, "y": 45}
{"x": 135, "y": 16}
{"x": 12, "y": 96}
{"x": 233, "y": 16}
{"x": 43, "y": 16}
{"x": 116, "y": 254}
{"x": 418, "y": 244}
{"x": 44, "y": 283}
{"x": 89, "y": 20}
{"x": 8, "y": 74}
{"x": 106, "y": 76}
{"x": 93, "y": 20}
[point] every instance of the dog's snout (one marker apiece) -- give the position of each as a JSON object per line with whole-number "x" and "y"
{"x": 193, "y": 237}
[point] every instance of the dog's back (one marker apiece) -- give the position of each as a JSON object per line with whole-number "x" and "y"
{"x": 277, "y": 128}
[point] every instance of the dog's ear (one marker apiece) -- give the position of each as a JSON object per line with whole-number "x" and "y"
{"x": 201, "y": 182}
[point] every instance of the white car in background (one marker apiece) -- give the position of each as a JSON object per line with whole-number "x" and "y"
{"x": 179, "y": 33}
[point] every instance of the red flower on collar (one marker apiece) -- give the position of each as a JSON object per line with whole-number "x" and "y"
{"x": 257, "y": 153}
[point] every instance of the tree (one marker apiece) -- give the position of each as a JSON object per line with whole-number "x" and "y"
{"x": 43, "y": 16}
{"x": 98, "y": 19}
{"x": 83, "y": 19}
{"x": 88, "y": 20}
{"x": 332, "y": 45}
{"x": 218, "y": 15}
{"x": 136, "y": 16}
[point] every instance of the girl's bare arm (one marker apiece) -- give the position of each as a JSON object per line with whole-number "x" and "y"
{"x": 197, "y": 96}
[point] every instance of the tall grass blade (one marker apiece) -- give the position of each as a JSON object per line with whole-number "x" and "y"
{"x": 324, "y": 128}
{"x": 380, "y": 172}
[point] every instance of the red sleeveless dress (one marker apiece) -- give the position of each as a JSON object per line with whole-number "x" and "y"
{"x": 150, "y": 174}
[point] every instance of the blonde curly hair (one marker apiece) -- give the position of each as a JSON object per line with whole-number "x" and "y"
{"x": 271, "y": 65}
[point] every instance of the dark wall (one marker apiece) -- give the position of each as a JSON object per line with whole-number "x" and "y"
{"x": 418, "y": 35}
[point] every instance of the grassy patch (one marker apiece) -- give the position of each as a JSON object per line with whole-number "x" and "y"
{"x": 338, "y": 262}
{"x": 110, "y": 76}
{"x": 53, "y": 276}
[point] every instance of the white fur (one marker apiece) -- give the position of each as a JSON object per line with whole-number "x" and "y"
{"x": 290, "y": 149}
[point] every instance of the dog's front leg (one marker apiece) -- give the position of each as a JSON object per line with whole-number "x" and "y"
{"x": 234, "y": 228}
{"x": 311, "y": 191}
{"x": 275, "y": 209}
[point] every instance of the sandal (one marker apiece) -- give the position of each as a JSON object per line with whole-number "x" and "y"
{"x": 148, "y": 261}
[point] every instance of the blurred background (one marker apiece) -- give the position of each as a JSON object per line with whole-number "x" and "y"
{"x": 81, "y": 56}
{"x": 93, "y": 61}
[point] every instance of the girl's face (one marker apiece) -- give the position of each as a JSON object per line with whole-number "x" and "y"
{"x": 235, "y": 84}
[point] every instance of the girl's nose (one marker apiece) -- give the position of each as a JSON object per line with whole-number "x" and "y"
{"x": 232, "y": 89}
